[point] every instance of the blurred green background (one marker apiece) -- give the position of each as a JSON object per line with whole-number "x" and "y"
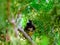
{"x": 45, "y": 15}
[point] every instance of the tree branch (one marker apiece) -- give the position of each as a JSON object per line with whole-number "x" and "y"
{"x": 26, "y": 35}
{"x": 7, "y": 14}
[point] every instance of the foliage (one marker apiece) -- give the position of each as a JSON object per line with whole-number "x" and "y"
{"x": 45, "y": 15}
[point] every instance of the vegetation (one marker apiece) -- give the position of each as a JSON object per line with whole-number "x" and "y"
{"x": 45, "y": 15}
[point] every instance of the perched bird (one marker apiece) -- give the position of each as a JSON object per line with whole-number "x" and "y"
{"x": 29, "y": 29}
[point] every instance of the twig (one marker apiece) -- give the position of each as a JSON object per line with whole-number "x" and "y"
{"x": 26, "y": 35}
{"x": 8, "y": 14}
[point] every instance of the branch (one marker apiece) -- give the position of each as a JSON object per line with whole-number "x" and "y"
{"x": 26, "y": 35}
{"x": 8, "y": 8}
{"x": 8, "y": 14}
